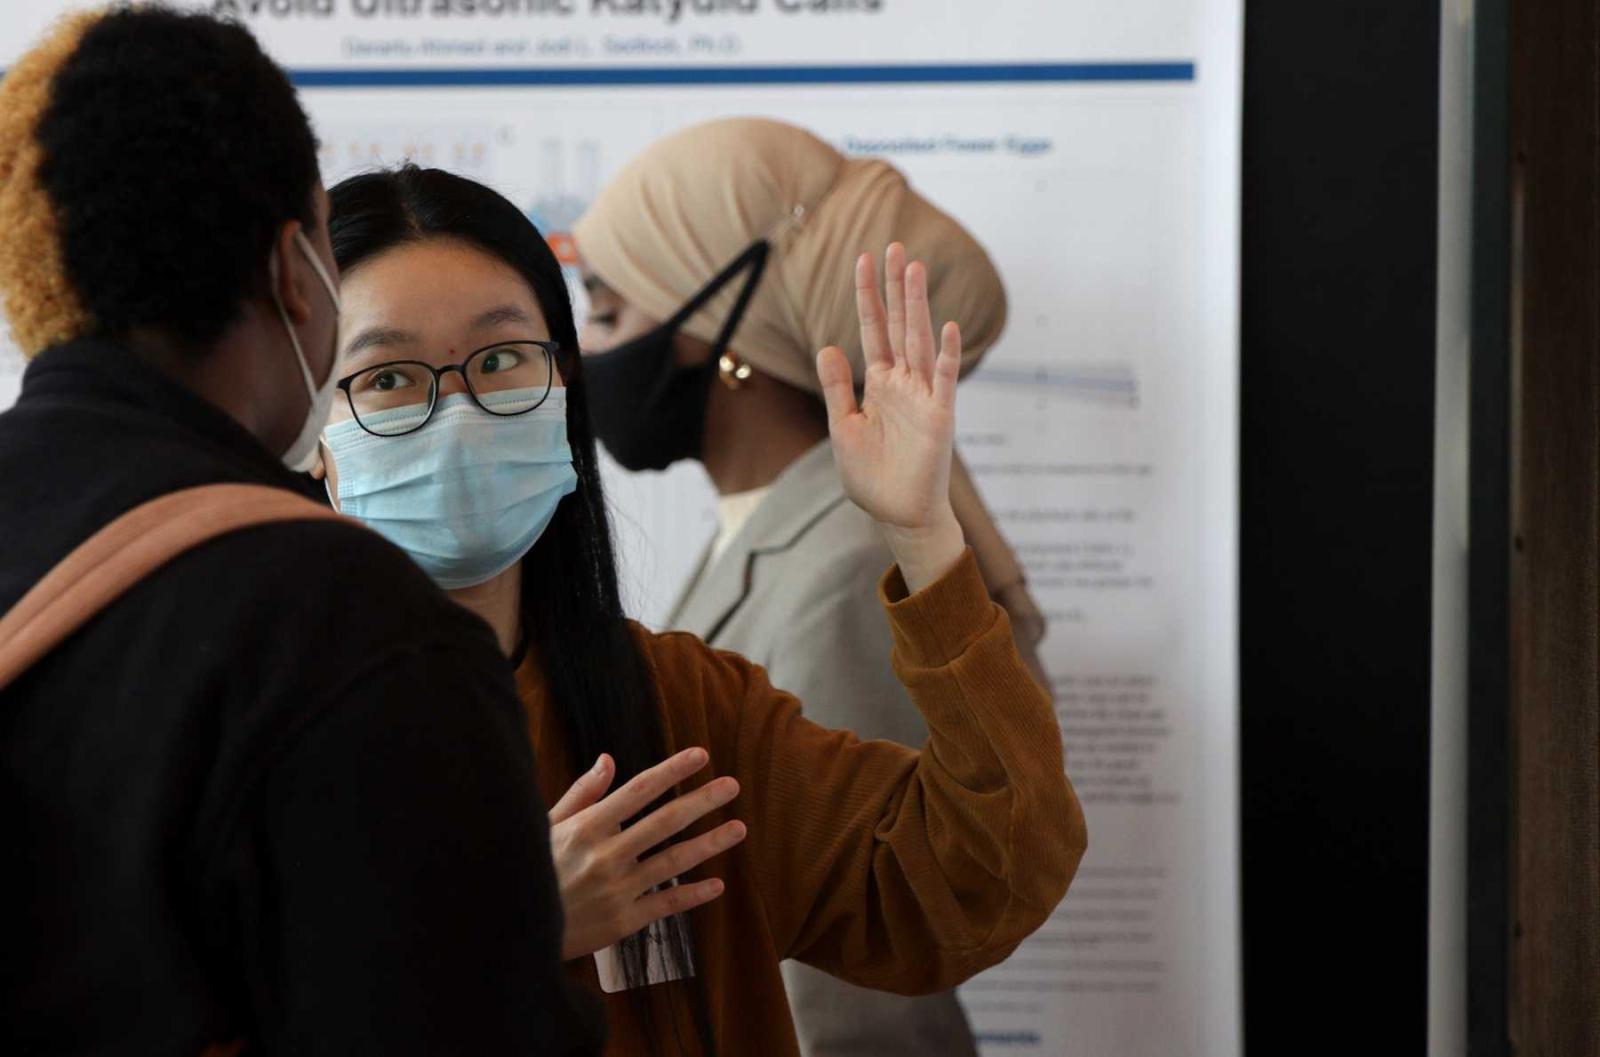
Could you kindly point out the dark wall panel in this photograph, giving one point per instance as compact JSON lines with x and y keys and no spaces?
{"x":1340,"y":185}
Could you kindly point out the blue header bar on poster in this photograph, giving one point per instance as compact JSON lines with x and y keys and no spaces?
{"x":690,"y":76}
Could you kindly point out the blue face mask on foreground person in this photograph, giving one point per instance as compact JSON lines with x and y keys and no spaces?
{"x":468,"y":494}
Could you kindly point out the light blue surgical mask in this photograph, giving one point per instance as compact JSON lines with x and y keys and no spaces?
{"x":468,"y":494}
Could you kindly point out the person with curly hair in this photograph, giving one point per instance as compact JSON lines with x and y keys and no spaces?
{"x":218,"y":826}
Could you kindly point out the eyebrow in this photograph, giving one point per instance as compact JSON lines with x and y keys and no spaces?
{"x":501,"y":314}
{"x":374,"y":337}
{"x":381,"y":337}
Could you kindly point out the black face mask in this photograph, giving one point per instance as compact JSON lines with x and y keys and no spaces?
{"x":648,"y":411}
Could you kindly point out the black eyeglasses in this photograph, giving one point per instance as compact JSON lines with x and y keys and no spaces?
{"x":507,"y":378}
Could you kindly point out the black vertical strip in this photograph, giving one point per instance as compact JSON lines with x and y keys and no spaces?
{"x":1340,"y":215}
{"x":1489,"y":564}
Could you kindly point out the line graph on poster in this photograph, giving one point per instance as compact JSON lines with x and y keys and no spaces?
{"x":1109,"y":385}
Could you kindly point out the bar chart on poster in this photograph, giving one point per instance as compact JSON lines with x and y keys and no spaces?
{"x":1092,"y":147}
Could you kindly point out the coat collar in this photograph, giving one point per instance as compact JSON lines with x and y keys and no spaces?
{"x":806,"y":491}
{"x":100,"y":374}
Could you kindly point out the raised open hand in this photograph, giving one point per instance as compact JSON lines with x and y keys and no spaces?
{"x":893,"y":448}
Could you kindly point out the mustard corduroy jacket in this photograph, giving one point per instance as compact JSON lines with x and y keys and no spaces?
{"x":895,"y":869}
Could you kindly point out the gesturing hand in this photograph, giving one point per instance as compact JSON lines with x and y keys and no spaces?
{"x":893,"y":450}
{"x":606,"y":890}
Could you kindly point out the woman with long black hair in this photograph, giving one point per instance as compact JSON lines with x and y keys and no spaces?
{"x":740,"y":833}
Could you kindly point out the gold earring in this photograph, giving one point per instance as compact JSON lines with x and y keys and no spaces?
{"x":733,"y":373}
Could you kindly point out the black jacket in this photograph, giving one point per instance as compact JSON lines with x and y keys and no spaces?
{"x":283,"y":788}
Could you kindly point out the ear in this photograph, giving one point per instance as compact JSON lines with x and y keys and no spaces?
{"x":292,"y":281}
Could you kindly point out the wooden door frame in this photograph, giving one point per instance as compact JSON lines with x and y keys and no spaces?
{"x":1553,"y":890}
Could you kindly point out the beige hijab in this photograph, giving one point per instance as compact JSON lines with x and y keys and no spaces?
{"x":688,"y":205}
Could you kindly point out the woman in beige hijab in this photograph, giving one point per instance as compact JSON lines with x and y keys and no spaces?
{"x":717,"y":263}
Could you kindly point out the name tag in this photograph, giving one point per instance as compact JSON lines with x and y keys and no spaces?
{"x":659,"y":967}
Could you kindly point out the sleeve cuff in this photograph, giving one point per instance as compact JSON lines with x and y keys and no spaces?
{"x":936,"y":625}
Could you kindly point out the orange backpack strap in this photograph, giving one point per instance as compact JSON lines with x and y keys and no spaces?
{"x":129,"y":549}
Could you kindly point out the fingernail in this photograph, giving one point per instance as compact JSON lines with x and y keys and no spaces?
{"x":599,"y":765}
{"x":698,"y":756}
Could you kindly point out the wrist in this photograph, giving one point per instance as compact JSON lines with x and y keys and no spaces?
{"x":925,"y":553}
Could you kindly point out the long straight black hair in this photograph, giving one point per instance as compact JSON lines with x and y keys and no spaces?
{"x":572,"y":614}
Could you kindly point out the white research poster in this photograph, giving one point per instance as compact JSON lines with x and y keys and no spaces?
{"x":1092,"y":145}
